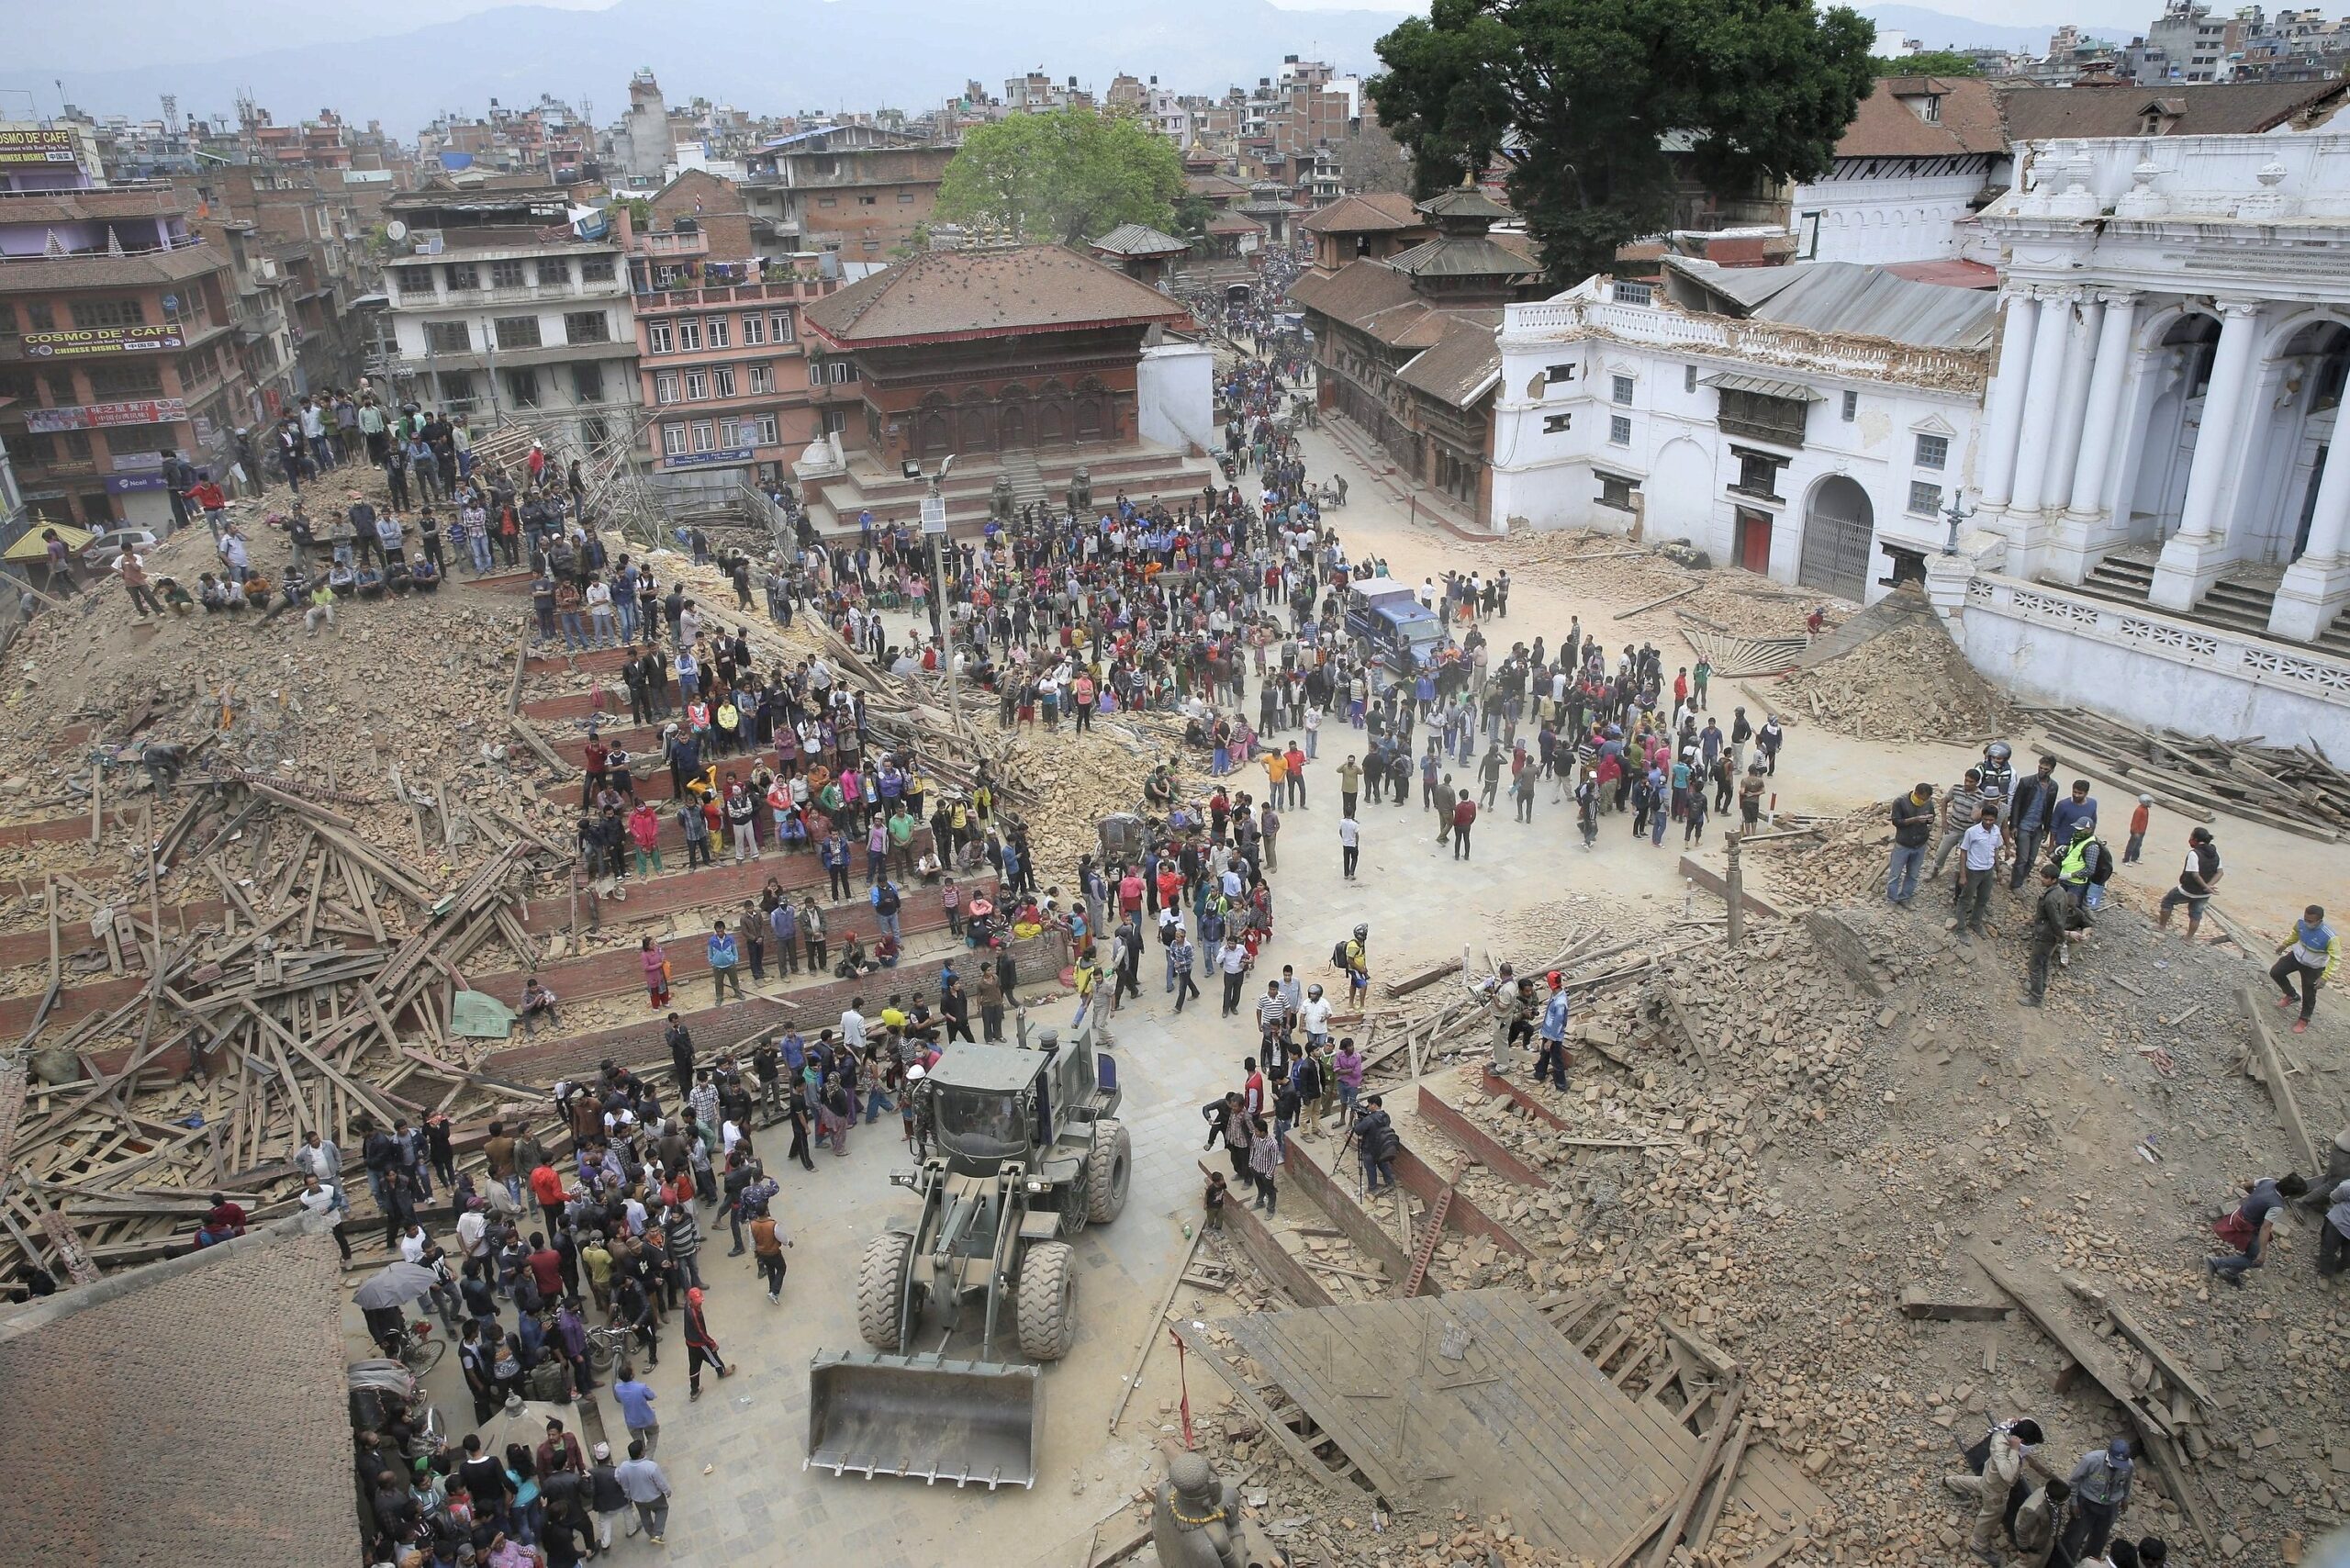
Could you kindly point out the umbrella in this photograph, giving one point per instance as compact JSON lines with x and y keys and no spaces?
{"x":397,"y":1285}
{"x":30,"y":546}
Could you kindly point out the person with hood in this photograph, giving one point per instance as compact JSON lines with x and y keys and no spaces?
{"x":1990,"y":1488}
{"x":699,"y":1346}
{"x":1376,"y":1144}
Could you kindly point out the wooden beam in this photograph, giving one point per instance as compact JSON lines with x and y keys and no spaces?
{"x":1687,"y":1504}
{"x":2280,"y":1088}
{"x":1152,"y":1330}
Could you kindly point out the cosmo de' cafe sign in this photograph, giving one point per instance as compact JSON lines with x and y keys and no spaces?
{"x":101,"y":340}
{"x":36,"y":147}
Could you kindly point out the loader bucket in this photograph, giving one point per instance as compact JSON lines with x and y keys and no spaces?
{"x":968,"y":1422}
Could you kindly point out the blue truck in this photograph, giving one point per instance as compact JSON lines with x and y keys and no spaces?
{"x":1385,"y":623}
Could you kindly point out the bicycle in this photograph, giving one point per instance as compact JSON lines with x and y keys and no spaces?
{"x":606,"y":1348}
{"x":417,"y":1347}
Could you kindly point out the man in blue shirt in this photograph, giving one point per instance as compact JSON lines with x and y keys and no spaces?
{"x":636,"y":1409}
{"x":724,"y":957}
{"x":2078,"y":807}
{"x":1553,"y":1033}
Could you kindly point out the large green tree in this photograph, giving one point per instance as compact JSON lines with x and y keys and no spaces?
{"x":1066,"y":176}
{"x":1604,"y":104}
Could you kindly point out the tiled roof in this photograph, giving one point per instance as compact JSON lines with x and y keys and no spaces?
{"x":187,"y":1412}
{"x":1465,"y":363}
{"x":1885,"y":126}
{"x":1466,"y":255}
{"x":1233,"y":223}
{"x":2224,"y":108}
{"x":966,"y":294}
{"x":1374,"y":212}
{"x":1138,"y":240}
{"x":1379,"y":302}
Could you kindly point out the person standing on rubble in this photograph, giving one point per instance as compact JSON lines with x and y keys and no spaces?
{"x":2198,"y":874}
{"x":1961,"y":809}
{"x":1913,"y":825}
{"x":2056,"y":921}
{"x":1990,"y":1488}
{"x":1978,"y":868}
{"x":2029,"y":817}
{"x":2101,"y":1488}
{"x":2308,"y":955}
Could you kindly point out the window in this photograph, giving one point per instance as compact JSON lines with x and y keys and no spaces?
{"x":456,"y":386}
{"x":1622,"y":390}
{"x":413,"y":280}
{"x":719,"y":328}
{"x":673,"y":440}
{"x":1761,"y":416}
{"x":721,"y":381}
{"x":127,"y":381}
{"x":1615,"y":490}
{"x":1925,"y":499}
{"x":1558,"y":374}
{"x":506,"y":274}
{"x":705,"y":436}
{"x":461,"y":276}
{"x":726,"y":434}
{"x":828,"y":201}
{"x":587,"y":382}
{"x":659,"y":339}
{"x":839,"y":370}
{"x":1619,"y":429}
{"x":668,"y":277}
{"x":1851,"y":406}
{"x":779,"y":326}
{"x":38,"y":316}
{"x":76,"y":444}
{"x":109,"y":313}
{"x":688,"y":335}
{"x":1633,"y":293}
{"x":762,"y":378}
{"x":1688,"y":378}
{"x":525,"y":387}
{"x":755,"y":329}
{"x":869,"y":246}
{"x":448,"y":337}
{"x":768,"y":435}
{"x":664,"y":387}
{"x":1758,"y":473}
{"x":866,"y":201}
{"x":586,"y":327}
{"x":1808,"y":237}
{"x":905,"y":199}
{"x":697,"y":385}
{"x":1933,"y":451}
{"x":1552,"y":424}
{"x":595,"y":269}
{"x":517,"y":331}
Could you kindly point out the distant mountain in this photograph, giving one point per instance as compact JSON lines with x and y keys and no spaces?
{"x":1940,"y":29}
{"x":772,"y":56}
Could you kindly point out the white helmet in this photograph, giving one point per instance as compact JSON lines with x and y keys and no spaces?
{"x":916,"y":1073}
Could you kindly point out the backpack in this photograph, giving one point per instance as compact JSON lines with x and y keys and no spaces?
{"x":1339,"y":959}
{"x":2101,"y":865}
{"x":549,"y":1382}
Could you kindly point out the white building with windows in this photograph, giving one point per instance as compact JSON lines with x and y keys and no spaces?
{"x":1909,"y":174}
{"x":507,"y":309}
{"x":1807,"y":422}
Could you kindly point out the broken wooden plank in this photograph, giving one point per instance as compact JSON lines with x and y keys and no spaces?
{"x":1688,"y":1502}
{"x":1925,"y":1301}
{"x":1658,"y":603}
{"x":2281,"y":1089}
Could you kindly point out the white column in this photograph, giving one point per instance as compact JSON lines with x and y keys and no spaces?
{"x":2316,"y":588}
{"x":2188,"y":561}
{"x":1998,"y":480}
{"x":2072,"y":401}
{"x":2098,"y":432}
{"x":2051,"y":340}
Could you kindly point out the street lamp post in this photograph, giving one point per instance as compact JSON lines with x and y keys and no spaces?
{"x":934,"y":531}
{"x":1957,"y":514}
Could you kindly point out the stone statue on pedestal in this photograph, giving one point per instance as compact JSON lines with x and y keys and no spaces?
{"x":999,"y":498}
{"x":1080,"y":490}
{"x":1196,"y":1522}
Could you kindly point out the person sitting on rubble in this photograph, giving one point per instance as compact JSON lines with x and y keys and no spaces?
{"x":538,"y":1003}
{"x":209,"y":590}
{"x":369,"y":582}
{"x":257,"y":591}
{"x":854,"y":960}
{"x":425,"y":574}
{"x":175,"y":596}
{"x":342,"y":580}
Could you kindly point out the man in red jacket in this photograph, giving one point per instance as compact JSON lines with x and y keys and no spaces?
{"x":1464,"y":813}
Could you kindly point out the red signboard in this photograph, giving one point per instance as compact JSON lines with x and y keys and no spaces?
{"x":37,"y":147}
{"x":102,"y":416}
{"x":101,"y":340}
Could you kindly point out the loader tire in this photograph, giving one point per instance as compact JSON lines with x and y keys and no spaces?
{"x":881,"y":1289}
{"x":1047,"y":1302}
{"x":1109,"y":1170}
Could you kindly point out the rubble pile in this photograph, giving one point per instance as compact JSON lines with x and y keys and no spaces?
{"x":1610,"y":566}
{"x":1911,"y":683}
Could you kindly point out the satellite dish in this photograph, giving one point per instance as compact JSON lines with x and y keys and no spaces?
{"x":395,"y":231}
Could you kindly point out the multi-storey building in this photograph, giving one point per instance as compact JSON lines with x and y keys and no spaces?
{"x":506,"y":307}
{"x":860,"y":190}
{"x":724,"y":369}
{"x":119,"y":323}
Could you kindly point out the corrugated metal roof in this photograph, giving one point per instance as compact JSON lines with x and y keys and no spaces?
{"x":1763,"y":386}
{"x":1138,"y":240}
{"x":1845,"y":297}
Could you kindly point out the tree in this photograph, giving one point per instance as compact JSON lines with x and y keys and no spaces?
{"x":1066,"y":176}
{"x":1371,"y":159}
{"x":1927,"y":62}
{"x":1586,"y":93}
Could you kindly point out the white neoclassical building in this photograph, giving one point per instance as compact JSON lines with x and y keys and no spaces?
{"x":2161,"y":424}
{"x":1807,"y":422}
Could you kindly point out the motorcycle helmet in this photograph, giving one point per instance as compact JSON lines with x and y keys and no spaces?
{"x":1362,"y":932}
{"x":1998,"y":751}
